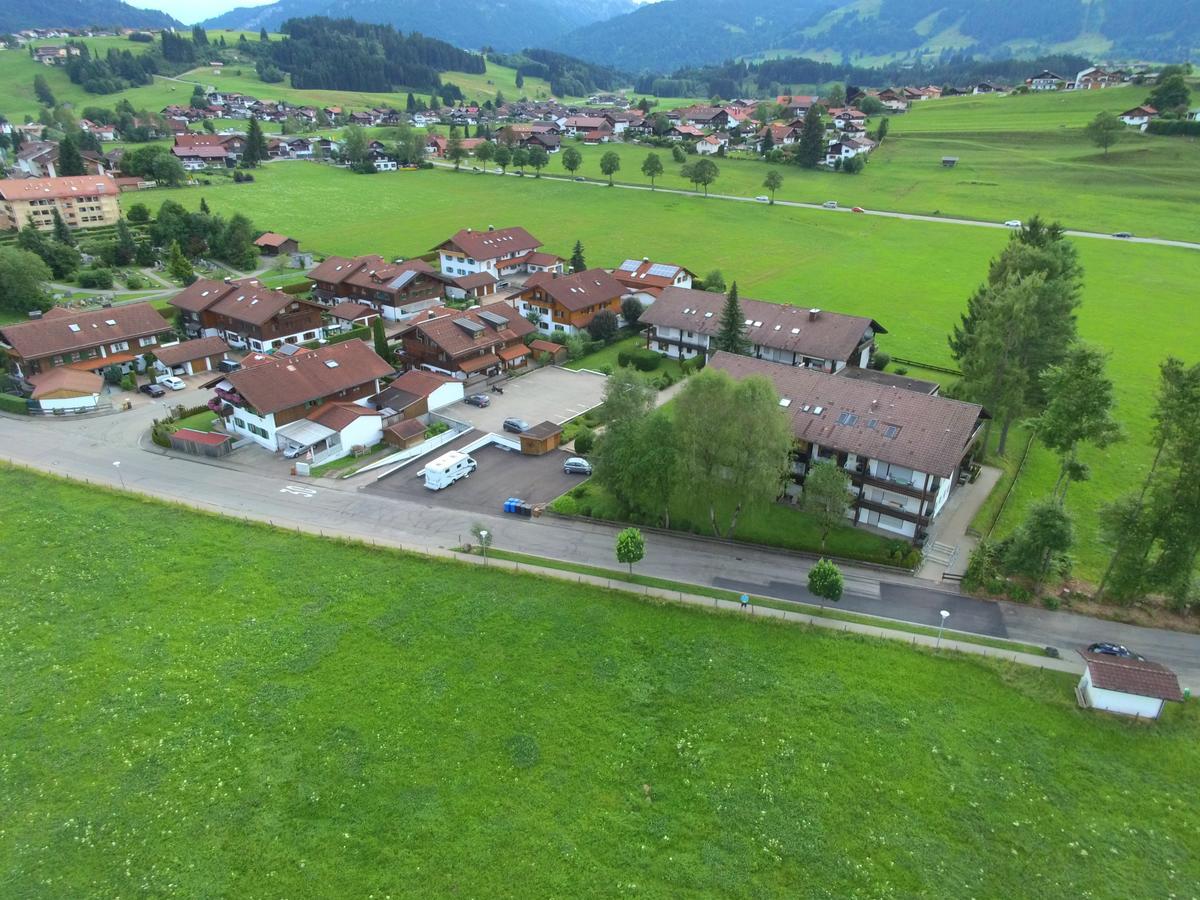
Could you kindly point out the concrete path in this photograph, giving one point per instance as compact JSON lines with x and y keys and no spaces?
{"x":87,"y":449}
{"x":950,"y":527}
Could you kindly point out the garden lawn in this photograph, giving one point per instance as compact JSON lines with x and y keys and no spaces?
{"x":606,"y":359}
{"x":913,"y":277}
{"x":188,"y":713}
{"x":201,"y":421}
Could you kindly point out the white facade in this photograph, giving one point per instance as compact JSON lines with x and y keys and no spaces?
{"x":81,"y":403}
{"x":239,"y":341}
{"x":260,"y":429}
{"x":1118,"y":701}
{"x":448,"y":393}
{"x":667,"y":340}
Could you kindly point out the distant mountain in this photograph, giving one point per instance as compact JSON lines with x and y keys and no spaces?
{"x":18,"y":14}
{"x":676,"y":33}
{"x":502,"y":24}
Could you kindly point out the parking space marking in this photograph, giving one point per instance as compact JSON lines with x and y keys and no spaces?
{"x":299,"y":490}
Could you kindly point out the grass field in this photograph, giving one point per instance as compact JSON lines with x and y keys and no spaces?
{"x":184,"y":716}
{"x":914,"y":277}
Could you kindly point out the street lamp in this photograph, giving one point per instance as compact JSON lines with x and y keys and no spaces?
{"x":483,"y":544}
{"x":945,"y":615}
{"x":117,"y":466}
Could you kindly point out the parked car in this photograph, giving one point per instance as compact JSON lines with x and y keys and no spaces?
{"x":1013,"y":223}
{"x":763,"y":198}
{"x":480,"y":400}
{"x":1123,"y":234}
{"x":577,"y":466}
{"x":830,"y":204}
{"x":229,"y":365}
{"x":1110,"y":649}
{"x":580,"y":178}
{"x":174,"y":382}
{"x":857,"y":209}
{"x":153,"y":390}
{"x":516,"y":426}
{"x":293,"y":450}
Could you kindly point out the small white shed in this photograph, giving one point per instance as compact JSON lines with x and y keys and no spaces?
{"x":1128,"y":687}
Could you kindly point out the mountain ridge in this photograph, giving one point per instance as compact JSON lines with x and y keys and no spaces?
{"x":16,"y":15}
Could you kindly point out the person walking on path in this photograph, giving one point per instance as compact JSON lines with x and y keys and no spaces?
{"x":745,"y":600}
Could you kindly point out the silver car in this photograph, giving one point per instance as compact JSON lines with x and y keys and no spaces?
{"x":577,"y":466}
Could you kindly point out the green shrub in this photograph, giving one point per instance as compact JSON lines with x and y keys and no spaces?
{"x":901,"y":370}
{"x":135,"y":282}
{"x":13,"y":404}
{"x":605,"y":369}
{"x":127,"y":383}
{"x":1050,"y":602}
{"x":585,"y":439}
{"x":95,"y":279}
{"x":1017,"y":593}
{"x":879,"y":361}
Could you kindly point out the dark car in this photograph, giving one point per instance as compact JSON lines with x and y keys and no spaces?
{"x":1123,"y":234}
{"x":1109,"y":649}
{"x":153,"y":390}
{"x":480,"y":400}
{"x":516,"y":426}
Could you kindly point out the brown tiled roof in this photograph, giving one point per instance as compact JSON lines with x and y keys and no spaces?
{"x":64,"y":379}
{"x":57,"y":188}
{"x":406,"y":428}
{"x":474,"y":280}
{"x":250,"y":301}
{"x":339,"y":415}
{"x":200,"y":295}
{"x":349,"y":311}
{"x":456,"y":341}
{"x":478,"y":363}
{"x":289,"y":381}
{"x":542,"y":430}
{"x":419,"y":382}
{"x":271,"y":239}
{"x":189,"y":350}
{"x":578,"y":291}
{"x":932,"y":434}
{"x":1132,"y":676}
{"x":642,"y":274}
{"x":69,"y":331}
{"x":333,"y":269}
{"x":492,"y":244}
{"x":546,"y":346}
{"x":201,"y":151}
{"x":513,"y":352}
{"x":829,"y":335}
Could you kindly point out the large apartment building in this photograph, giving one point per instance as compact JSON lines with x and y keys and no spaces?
{"x":247,"y":314}
{"x":83,"y":201}
{"x":88,"y":341}
{"x":498,"y":252}
{"x":904,"y":448}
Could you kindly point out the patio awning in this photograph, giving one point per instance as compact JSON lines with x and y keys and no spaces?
{"x":479,"y":363}
{"x":304,"y":433}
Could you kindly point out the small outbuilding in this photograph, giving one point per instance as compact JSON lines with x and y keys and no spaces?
{"x":949,"y":162}
{"x":201,"y":443}
{"x":541,"y":439}
{"x":557,"y":353}
{"x":348,"y":314}
{"x":1126,"y":686}
{"x":67,"y":390}
{"x":405,"y":433}
{"x":192,"y":357}
{"x":272,"y":244}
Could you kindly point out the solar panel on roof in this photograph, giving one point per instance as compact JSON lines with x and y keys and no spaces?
{"x":663,"y":270}
{"x":630,"y":265}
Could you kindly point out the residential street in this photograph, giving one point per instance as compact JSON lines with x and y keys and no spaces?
{"x":248,"y":486}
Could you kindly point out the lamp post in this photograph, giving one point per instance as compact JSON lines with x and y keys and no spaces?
{"x":945,"y":615}
{"x":117,"y":466}
{"x":483,"y":544}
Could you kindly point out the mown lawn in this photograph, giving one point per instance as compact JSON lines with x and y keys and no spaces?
{"x":187,"y":714}
{"x":913,"y":277}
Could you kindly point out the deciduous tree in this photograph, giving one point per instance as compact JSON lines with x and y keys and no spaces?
{"x":572,"y":159}
{"x":825,"y":582}
{"x":22,"y":275}
{"x":826,"y":496}
{"x":773,"y":182}
{"x":701,"y":172}
{"x":1104,"y":130}
{"x":652,"y":167}
{"x":631,"y":547}
{"x":610,"y":164}
{"x":1045,"y":533}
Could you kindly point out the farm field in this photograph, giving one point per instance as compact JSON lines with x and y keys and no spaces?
{"x":914,"y":277}
{"x":218,"y":726}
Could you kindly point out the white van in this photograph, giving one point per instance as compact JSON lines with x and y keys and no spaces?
{"x":447,"y":469}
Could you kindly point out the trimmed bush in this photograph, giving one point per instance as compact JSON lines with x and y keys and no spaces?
{"x":641,"y":358}
{"x":585,"y":439}
{"x":879,"y":361}
{"x":95,"y":279}
{"x":13,"y":404}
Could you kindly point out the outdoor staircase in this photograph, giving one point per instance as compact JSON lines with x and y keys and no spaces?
{"x":941,"y":554}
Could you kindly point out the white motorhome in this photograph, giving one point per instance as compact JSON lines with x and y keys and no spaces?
{"x":447,"y":469}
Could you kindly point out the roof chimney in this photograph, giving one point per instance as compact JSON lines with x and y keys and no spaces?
{"x":228,"y":280}
{"x":813,"y":313}
{"x":468,"y":231}
{"x":491,"y":228}
{"x":645,"y":259}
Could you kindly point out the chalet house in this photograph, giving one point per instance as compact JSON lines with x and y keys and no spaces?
{"x":683,"y":323}
{"x":436,"y":144}
{"x":349,"y":315}
{"x":199,"y":151}
{"x":396,"y":290}
{"x":311,"y":403}
{"x":415,"y":394}
{"x":710,"y":145}
{"x":39,"y":159}
{"x":88,"y":341}
{"x":795,"y":105}
{"x":583,"y":126}
{"x":1046,"y":80}
{"x":470,"y":287}
{"x":987,"y":87}
{"x":1095,"y":78}
{"x":1139,"y":116}
{"x":781,"y":135}
{"x":846,"y":148}
{"x":713,"y":117}
{"x":645,"y":280}
{"x":684,"y":133}
{"x":904,"y":451}
{"x":247,"y":314}
{"x":845,"y":118}
{"x":102,"y":132}
{"x":499,"y":252}
{"x":465,"y":344}
{"x":567,"y":303}
{"x":191,"y":357}
{"x":551,"y":143}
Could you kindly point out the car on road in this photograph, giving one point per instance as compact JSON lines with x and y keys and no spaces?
{"x":577,"y":466}
{"x":515,"y":425}
{"x":174,"y":382}
{"x":857,"y":209}
{"x":1123,"y":234}
{"x":1013,"y":223}
{"x":830,"y":204}
{"x":763,"y":198}
{"x":579,"y":178}
{"x":152,"y":390}
{"x":480,"y":400}
{"x":1110,"y":649}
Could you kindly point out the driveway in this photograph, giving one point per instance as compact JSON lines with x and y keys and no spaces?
{"x":501,"y":474}
{"x":546,"y":394}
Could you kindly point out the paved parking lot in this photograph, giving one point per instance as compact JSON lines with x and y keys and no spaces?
{"x":547,"y":394}
{"x":501,"y":474}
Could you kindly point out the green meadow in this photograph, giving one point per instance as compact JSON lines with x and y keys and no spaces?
{"x":187,"y":714}
{"x":913,"y":277}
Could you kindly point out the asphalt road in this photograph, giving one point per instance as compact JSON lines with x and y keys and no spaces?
{"x":257,"y":487}
{"x":887,"y":214}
